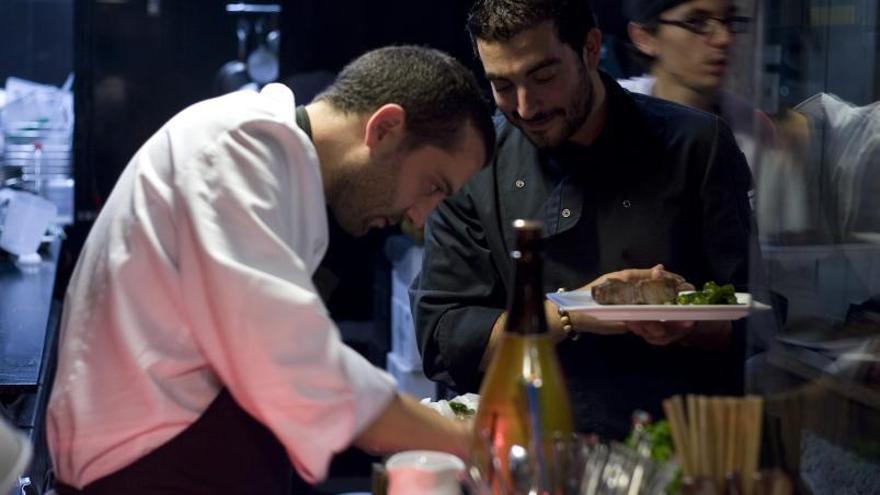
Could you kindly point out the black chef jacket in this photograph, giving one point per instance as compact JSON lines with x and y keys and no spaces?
{"x":663,"y":183}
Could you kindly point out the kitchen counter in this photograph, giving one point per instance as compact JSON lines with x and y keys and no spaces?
{"x":28,"y":323}
{"x":26,"y":311}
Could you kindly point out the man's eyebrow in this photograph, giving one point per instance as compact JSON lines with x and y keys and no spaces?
{"x":543,"y":64}
{"x":547,"y":62}
{"x":495,"y":77}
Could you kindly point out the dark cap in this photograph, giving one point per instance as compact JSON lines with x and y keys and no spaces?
{"x":647,"y":10}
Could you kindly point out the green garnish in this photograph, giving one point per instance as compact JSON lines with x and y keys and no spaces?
{"x":712,"y":293}
{"x":460,"y":409}
{"x":659,"y":437}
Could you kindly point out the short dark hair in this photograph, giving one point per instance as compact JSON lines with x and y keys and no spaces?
{"x":439,"y":95}
{"x":501,"y":20}
{"x":643,"y":11}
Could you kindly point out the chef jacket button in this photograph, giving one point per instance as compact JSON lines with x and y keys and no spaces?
{"x":566,"y":213}
{"x":520,"y":183}
{"x":627,"y":203}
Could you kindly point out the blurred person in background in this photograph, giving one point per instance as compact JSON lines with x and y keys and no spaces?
{"x":195,"y":355}
{"x":686,"y":47}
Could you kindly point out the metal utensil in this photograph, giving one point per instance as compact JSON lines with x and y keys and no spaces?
{"x":233,"y":75}
{"x":242,"y":29}
{"x":262,"y":63}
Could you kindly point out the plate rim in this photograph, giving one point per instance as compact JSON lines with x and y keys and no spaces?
{"x":658,"y":312}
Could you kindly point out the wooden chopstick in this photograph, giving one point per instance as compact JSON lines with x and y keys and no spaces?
{"x":678,"y":427}
{"x":718,"y":437}
{"x":693,"y":434}
{"x":731,"y":436}
{"x":753,"y":407}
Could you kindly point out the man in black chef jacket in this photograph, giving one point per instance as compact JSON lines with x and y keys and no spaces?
{"x":623,"y":183}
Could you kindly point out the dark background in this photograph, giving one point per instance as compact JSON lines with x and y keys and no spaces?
{"x":36,"y":40}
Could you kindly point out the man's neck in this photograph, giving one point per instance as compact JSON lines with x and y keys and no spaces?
{"x":337,"y":138}
{"x":667,"y":88}
{"x":597,"y":116}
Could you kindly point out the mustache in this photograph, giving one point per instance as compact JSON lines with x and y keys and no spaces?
{"x":538,"y":117}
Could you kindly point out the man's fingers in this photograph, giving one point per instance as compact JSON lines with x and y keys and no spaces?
{"x":661,"y":333}
{"x":657,"y":271}
{"x":650,"y":334}
{"x":682,"y":325}
{"x":635,"y":274}
{"x":592,"y":325}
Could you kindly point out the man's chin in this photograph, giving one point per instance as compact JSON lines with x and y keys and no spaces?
{"x":543,"y":139}
{"x":354,"y":229}
{"x":371,"y":224}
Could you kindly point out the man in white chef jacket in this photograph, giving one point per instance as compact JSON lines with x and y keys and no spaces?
{"x":195,"y":355}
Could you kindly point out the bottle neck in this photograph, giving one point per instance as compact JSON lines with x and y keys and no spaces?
{"x":525,"y":308}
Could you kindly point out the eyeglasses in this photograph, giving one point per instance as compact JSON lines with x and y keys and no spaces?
{"x":708,"y":25}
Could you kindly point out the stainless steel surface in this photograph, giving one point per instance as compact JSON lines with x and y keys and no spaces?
{"x":253,"y":8}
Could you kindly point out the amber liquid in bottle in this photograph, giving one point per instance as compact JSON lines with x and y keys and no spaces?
{"x":524,"y":409}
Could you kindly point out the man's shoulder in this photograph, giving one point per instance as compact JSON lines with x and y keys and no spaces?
{"x":514,"y":151}
{"x":232,"y":110}
{"x":675,"y":134}
{"x":506,"y":133}
{"x":259,"y":115}
{"x":673,"y":121}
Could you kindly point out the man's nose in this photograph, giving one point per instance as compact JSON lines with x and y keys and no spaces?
{"x":526,"y":106}
{"x":419,"y":212}
{"x":720,"y":35}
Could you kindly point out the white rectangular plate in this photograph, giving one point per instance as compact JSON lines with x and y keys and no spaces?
{"x":582,"y":302}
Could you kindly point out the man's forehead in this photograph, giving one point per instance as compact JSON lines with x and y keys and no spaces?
{"x":522,"y":53}
{"x":453,"y":166}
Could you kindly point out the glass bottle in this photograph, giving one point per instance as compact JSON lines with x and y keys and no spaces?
{"x":524,"y":416}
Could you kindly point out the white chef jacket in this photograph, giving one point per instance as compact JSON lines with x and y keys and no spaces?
{"x":197,"y":276}
{"x":845,"y":164}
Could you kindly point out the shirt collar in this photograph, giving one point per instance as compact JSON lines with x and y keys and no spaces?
{"x":303,"y":121}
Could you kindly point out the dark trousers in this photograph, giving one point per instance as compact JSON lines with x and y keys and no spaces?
{"x":225,"y":451}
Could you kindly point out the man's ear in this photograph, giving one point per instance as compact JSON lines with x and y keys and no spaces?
{"x":592,"y":48}
{"x":385,"y":125}
{"x":642,"y":39}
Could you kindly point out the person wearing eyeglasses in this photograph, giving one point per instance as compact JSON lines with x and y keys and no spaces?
{"x":686,"y":45}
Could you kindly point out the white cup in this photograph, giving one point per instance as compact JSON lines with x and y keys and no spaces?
{"x":27,"y":218}
{"x":424,"y":472}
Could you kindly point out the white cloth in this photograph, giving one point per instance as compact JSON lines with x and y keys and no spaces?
{"x":845,"y":157}
{"x":827,"y":191}
{"x":197,"y":275}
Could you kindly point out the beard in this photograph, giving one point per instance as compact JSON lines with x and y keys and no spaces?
{"x":363,"y":196}
{"x":572,"y":118}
